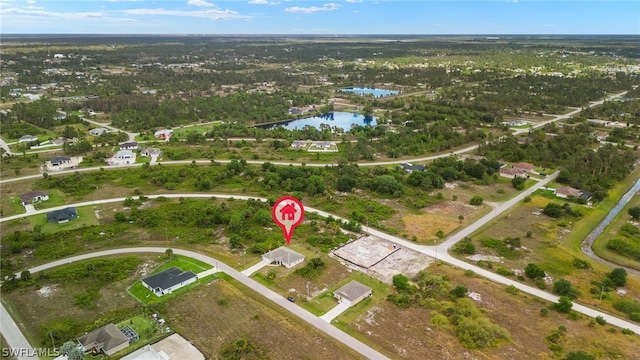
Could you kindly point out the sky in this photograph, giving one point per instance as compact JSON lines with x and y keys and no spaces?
{"x":420,"y":17}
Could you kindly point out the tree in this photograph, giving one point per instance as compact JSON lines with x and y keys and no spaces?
{"x":553,"y":210}
{"x":386,"y":184}
{"x":66,"y":348}
{"x":75,"y":354}
{"x":634,"y":212}
{"x":26,"y":275}
{"x":518,"y":182}
{"x":618,"y":276}
{"x":564,"y":304}
{"x":564,"y":287}
{"x":460,"y":217}
{"x":169,"y":253}
{"x":533,"y":271}
{"x":459,"y":291}
{"x":476,"y":200}
{"x":401,"y":283}
{"x":345,"y":183}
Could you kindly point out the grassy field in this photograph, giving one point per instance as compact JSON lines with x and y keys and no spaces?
{"x":86,"y":217}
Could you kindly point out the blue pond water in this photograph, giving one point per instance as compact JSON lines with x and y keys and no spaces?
{"x":339,"y":119}
{"x":370,"y":91}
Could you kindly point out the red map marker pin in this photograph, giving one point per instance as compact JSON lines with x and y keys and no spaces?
{"x":288,"y":213}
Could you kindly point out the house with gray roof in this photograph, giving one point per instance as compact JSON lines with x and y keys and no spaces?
{"x":62,"y":215}
{"x":107,"y":339}
{"x":352,"y":293}
{"x":283,"y":256}
{"x":169,"y":280}
{"x":33,"y":197}
{"x":27,"y":138}
{"x":98,"y":131}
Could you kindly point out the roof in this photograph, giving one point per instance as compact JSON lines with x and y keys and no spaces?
{"x":124,"y":153}
{"x":168,"y":278}
{"x":25,"y":137}
{"x":523,"y":166}
{"x":98,"y":131}
{"x":353,"y":290}
{"x":129,"y":144}
{"x":62,"y":214}
{"x":510,"y":171}
{"x":60,"y":159}
{"x":569,"y":191}
{"x":284,"y":254}
{"x":105,"y":338}
{"x":32,"y":194}
{"x":151,"y":151}
{"x":409,"y":166}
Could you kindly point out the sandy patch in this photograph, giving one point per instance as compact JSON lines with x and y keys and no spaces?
{"x":47,"y":291}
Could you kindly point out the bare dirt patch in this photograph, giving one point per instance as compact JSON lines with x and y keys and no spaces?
{"x":378,"y":258}
{"x":220,"y":313}
{"x":439,"y":217}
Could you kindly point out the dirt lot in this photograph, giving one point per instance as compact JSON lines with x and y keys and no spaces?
{"x":379,"y":259}
{"x":218,"y":314}
{"x":409,"y":334}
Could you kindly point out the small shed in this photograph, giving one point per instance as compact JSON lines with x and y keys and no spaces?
{"x":283,"y":256}
{"x":352,"y":293}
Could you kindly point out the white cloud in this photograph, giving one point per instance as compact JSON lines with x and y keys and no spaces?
{"x":312,"y":9}
{"x":354,"y":1}
{"x":200,"y":3}
{"x":213,"y":14}
{"x":53,"y":14}
{"x":264,"y":2}
{"x":356,"y":11}
{"x":31,"y":1}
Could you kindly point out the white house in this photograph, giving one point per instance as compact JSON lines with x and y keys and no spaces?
{"x":107,"y":339}
{"x":98,"y":131}
{"x":352,"y":293}
{"x":125,"y":156}
{"x":283,"y":256}
{"x":163,"y":134}
{"x":33,"y":197}
{"x":27,"y":138}
{"x":169,"y":280}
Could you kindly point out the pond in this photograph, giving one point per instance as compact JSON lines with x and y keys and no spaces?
{"x":370,"y":91}
{"x":338,"y":119}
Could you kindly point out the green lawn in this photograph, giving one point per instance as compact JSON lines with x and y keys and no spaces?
{"x":138,"y":291}
{"x":147,"y":329}
{"x":55,"y":199}
{"x":86,"y":217}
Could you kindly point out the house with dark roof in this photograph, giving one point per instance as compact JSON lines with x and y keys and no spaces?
{"x":107,"y":339}
{"x":352,"y":293}
{"x":60,"y":160}
{"x":409,"y":167}
{"x":62,"y":215}
{"x":169,"y":280}
{"x":129,"y":146}
{"x":33,"y":197}
{"x":283,"y":256}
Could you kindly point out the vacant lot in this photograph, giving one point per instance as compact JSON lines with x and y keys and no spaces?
{"x":220,"y":313}
{"x":409,"y":333}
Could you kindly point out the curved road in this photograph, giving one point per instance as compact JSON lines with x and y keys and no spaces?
{"x":278,"y":299}
{"x":440,"y":251}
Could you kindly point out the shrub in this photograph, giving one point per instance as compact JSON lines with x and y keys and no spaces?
{"x":564,"y":304}
{"x":533,"y":271}
{"x":553,"y":210}
{"x":581,"y":264}
{"x":464,"y":247}
{"x":564,"y":287}
{"x":628,"y":307}
{"x":459,"y":291}
{"x":476,"y":200}
{"x":512,"y":290}
{"x":504,"y":272}
{"x":618,"y":276}
{"x":627,"y":331}
{"x":480,"y":333}
{"x":600,"y":320}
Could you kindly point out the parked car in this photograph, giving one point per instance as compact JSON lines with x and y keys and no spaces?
{"x":290,"y":298}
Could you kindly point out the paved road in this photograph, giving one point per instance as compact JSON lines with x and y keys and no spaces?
{"x":11,"y":332}
{"x":276,"y":298}
{"x":7,"y":150}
